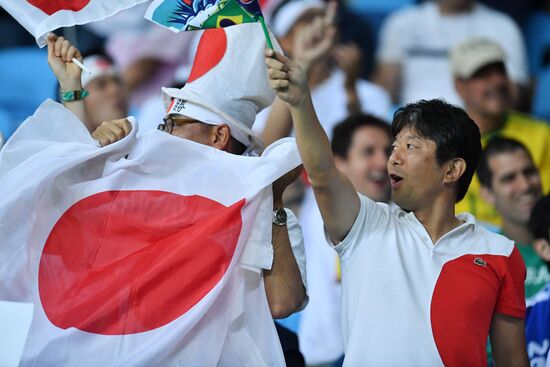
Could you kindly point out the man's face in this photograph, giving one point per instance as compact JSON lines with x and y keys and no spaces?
{"x":416,"y":179}
{"x":366,"y":162}
{"x":187,"y":128}
{"x":515,"y":185}
{"x":108,"y":100}
{"x":488,"y":91}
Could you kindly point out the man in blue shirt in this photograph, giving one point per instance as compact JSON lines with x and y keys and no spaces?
{"x":537,"y":321}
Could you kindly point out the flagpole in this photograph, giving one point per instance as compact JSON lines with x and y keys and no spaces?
{"x":266,"y":32}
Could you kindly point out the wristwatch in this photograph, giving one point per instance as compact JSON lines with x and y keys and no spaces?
{"x":279,"y":217}
{"x":74,"y":95}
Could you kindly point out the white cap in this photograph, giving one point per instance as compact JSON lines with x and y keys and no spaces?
{"x":228,"y":83}
{"x":473,"y":54}
{"x":288,"y":14}
{"x":99,"y":66}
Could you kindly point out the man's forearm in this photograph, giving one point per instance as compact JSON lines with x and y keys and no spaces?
{"x":78,"y":108}
{"x":283,"y":283}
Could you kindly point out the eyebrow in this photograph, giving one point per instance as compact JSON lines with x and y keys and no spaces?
{"x":413,"y":137}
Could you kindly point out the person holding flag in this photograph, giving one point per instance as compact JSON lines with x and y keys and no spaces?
{"x":235,"y":325}
{"x":420,"y":286}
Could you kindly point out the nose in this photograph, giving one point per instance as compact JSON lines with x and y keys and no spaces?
{"x":524,"y":182}
{"x":395,"y":158}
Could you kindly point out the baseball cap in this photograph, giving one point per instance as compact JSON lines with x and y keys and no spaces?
{"x":474,"y":53}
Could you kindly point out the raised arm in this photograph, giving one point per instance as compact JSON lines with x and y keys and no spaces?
{"x":336,"y":197}
{"x":60,"y":55}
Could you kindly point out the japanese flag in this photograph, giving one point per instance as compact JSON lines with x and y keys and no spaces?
{"x":147,"y":252}
{"x":42,"y":16}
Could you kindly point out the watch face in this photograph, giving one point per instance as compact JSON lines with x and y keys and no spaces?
{"x":279,"y":217}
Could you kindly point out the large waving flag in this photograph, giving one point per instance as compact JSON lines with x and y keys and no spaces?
{"x":147,"y":252}
{"x":42,"y":16}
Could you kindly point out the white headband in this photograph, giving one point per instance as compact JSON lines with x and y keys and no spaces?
{"x":288,"y":15}
{"x":189,"y":109}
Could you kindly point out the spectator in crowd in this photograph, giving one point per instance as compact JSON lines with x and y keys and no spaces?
{"x":511,"y":182}
{"x":481,"y":80}
{"x":537,"y":321}
{"x":333,"y":70}
{"x":419,"y":260}
{"x":108,"y":99}
{"x":284,"y":294}
{"x":360,"y":145}
{"x":413,"y":53}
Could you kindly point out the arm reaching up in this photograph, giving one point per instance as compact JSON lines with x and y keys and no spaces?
{"x":336,"y":197}
{"x":60,"y":55}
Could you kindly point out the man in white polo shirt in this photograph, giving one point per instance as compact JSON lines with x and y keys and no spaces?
{"x":420,"y":286}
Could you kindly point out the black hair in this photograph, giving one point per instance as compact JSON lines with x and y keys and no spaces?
{"x":455,"y":134}
{"x":539,"y":220}
{"x":496,"y":145}
{"x":342,"y":134}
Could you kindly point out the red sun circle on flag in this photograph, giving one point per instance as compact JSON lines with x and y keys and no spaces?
{"x":125,"y":262}
{"x":211,"y":50}
{"x":53,"y":6}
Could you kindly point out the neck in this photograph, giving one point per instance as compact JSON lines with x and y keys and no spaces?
{"x":486,"y":123}
{"x":439,"y":217}
{"x":518,"y":233}
{"x":451,"y":9}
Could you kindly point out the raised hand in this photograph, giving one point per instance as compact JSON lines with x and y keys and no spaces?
{"x":315,"y":41}
{"x":287,"y":78}
{"x":60,"y":55}
{"x":110,"y":132}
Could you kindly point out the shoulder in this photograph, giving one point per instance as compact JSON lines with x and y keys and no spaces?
{"x":407,"y":16}
{"x":518,"y":119}
{"x":486,"y":241}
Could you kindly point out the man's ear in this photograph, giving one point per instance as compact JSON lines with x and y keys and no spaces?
{"x":220,"y":136}
{"x":460,"y":87}
{"x":455,"y":169}
{"x":542,"y":248}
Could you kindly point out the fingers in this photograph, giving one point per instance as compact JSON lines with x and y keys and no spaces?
{"x":330,"y":14}
{"x":279,"y":84}
{"x":124,"y":125}
{"x":110,"y":132}
{"x":277,"y":74}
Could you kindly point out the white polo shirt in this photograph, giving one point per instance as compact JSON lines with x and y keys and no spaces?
{"x":408,"y":302}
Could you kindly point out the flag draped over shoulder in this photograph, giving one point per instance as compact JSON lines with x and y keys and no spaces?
{"x":42,"y":16}
{"x":147,"y":252}
{"x":188,"y":15}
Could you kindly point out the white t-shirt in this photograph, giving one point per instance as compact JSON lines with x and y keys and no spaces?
{"x":319,"y":330}
{"x":329,"y":101}
{"x":419,"y":38}
{"x":408,"y":302}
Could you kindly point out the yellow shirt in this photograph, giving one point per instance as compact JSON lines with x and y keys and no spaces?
{"x":535,"y":135}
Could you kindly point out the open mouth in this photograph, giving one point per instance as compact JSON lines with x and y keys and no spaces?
{"x":395,"y":179}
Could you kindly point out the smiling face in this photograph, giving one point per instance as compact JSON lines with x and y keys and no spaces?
{"x":515,"y":185}
{"x":365,"y":164}
{"x":488,"y":91}
{"x":416,"y":178}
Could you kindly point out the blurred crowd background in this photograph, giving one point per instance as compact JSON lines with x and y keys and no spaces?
{"x":490,"y":57}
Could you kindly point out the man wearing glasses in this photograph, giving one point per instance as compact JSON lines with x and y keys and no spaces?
{"x":188,"y":117}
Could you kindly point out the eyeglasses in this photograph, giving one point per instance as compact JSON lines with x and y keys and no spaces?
{"x":169,"y":123}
